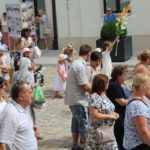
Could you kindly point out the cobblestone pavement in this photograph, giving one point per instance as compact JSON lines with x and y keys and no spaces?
{"x":54,"y":118}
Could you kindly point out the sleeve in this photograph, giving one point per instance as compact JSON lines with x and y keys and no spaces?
{"x":116,"y":92}
{"x":8,"y":128}
{"x":138,"y":108}
{"x":81,"y":76}
{"x":88,"y":71}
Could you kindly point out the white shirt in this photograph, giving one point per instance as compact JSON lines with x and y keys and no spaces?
{"x":16,"y":128}
{"x":77,"y":77}
{"x":2,"y":106}
{"x":106,"y":64}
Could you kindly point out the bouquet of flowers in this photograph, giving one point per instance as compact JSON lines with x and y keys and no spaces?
{"x":118,"y":27}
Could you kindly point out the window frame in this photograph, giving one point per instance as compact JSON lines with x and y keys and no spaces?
{"x":118,"y":6}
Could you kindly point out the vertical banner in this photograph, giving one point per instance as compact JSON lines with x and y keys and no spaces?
{"x":20,"y":16}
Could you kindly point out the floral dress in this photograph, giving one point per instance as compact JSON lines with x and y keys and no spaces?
{"x":103,"y":104}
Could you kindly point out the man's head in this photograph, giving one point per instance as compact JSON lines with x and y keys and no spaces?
{"x":109,"y":11}
{"x":22,"y":93}
{"x":40,"y":12}
{"x":85,"y":51}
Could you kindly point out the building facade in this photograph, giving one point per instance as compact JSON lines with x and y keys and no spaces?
{"x":80,"y":21}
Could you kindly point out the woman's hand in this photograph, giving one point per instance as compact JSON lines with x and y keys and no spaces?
{"x":114,"y":116}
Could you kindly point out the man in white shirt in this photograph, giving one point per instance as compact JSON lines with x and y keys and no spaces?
{"x":76,"y":98}
{"x":16,"y":127}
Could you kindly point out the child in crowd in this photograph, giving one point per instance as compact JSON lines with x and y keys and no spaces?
{"x":61,"y":76}
{"x":26,"y":68}
{"x":106,"y":60}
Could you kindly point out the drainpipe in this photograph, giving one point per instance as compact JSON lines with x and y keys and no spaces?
{"x":55,"y":40}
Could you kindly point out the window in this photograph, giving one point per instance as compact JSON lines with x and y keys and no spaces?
{"x":116,"y":5}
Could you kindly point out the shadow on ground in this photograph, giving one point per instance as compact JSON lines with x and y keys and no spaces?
{"x":64,"y":142}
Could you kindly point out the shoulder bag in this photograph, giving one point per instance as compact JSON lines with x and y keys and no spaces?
{"x":104,"y":134}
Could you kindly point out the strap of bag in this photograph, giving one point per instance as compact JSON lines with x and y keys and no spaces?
{"x":135,"y":100}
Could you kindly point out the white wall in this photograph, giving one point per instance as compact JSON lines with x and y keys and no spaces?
{"x":140,"y":24}
{"x":84,"y":18}
{"x":3,"y":2}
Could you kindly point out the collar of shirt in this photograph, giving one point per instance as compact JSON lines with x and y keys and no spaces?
{"x":19,"y":107}
{"x":82,"y":60}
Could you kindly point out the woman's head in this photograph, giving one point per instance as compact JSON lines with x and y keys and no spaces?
{"x":144,"y":56}
{"x":2,"y":87}
{"x":25,"y":32}
{"x":119,"y":73}
{"x":100,"y":84}
{"x":141,"y":82}
{"x":70,"y":48}
{"x":95,"y":58}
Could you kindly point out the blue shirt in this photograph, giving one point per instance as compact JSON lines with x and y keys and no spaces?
{"x":131,"y":136}
{"x":110,"y":18}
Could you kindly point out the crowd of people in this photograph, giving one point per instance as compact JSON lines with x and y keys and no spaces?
{"x":106,"y":114}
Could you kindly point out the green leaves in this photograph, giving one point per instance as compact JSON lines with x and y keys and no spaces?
{"x":112,"y":29}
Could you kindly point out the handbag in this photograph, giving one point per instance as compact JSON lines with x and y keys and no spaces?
{"x":38,"y":96}
{"x":47,"y":31}
{"x":104,"y":134}
{"x":37,"y":52}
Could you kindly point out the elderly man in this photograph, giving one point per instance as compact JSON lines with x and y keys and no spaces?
{"x":109,"y":15}
{"x":16,"y":127}
{"x":76,"y":98}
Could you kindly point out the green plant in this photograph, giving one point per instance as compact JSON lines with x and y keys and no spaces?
{"x":112,"y":29}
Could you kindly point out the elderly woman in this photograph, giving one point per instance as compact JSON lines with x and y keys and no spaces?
{"x":142,"y":66}
{"x":119,"y":95}
{"x":102,"y":114}
{"x":95,"y":65}
{"x":137,"y":118}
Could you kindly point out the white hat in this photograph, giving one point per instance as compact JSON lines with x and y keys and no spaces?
{"x":62,"y":56}
{"x":98,"y":50}
{"x":25,"y":50}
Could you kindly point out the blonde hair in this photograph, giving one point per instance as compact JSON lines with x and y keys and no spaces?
{"x":140,"y":79}
{"x":144,"y":55}
{"x":70,"y":45}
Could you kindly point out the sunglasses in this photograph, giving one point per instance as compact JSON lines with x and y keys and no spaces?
{"x":2,"y":85}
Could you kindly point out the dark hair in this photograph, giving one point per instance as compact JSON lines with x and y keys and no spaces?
{"x":118,"y":71}
{"x":0,"y":27}
{"x":1,"y":82}
{"x":17,"y":87}
{"x":96,"y":56}
{"x":99,"y":84}
{"x":84,"y":50}
{"x":105,"y":45}
{"x":4,"y":14}
{"x":24,"y":31}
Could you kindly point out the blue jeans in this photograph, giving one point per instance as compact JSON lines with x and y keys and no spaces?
{"x":79,"y":120}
